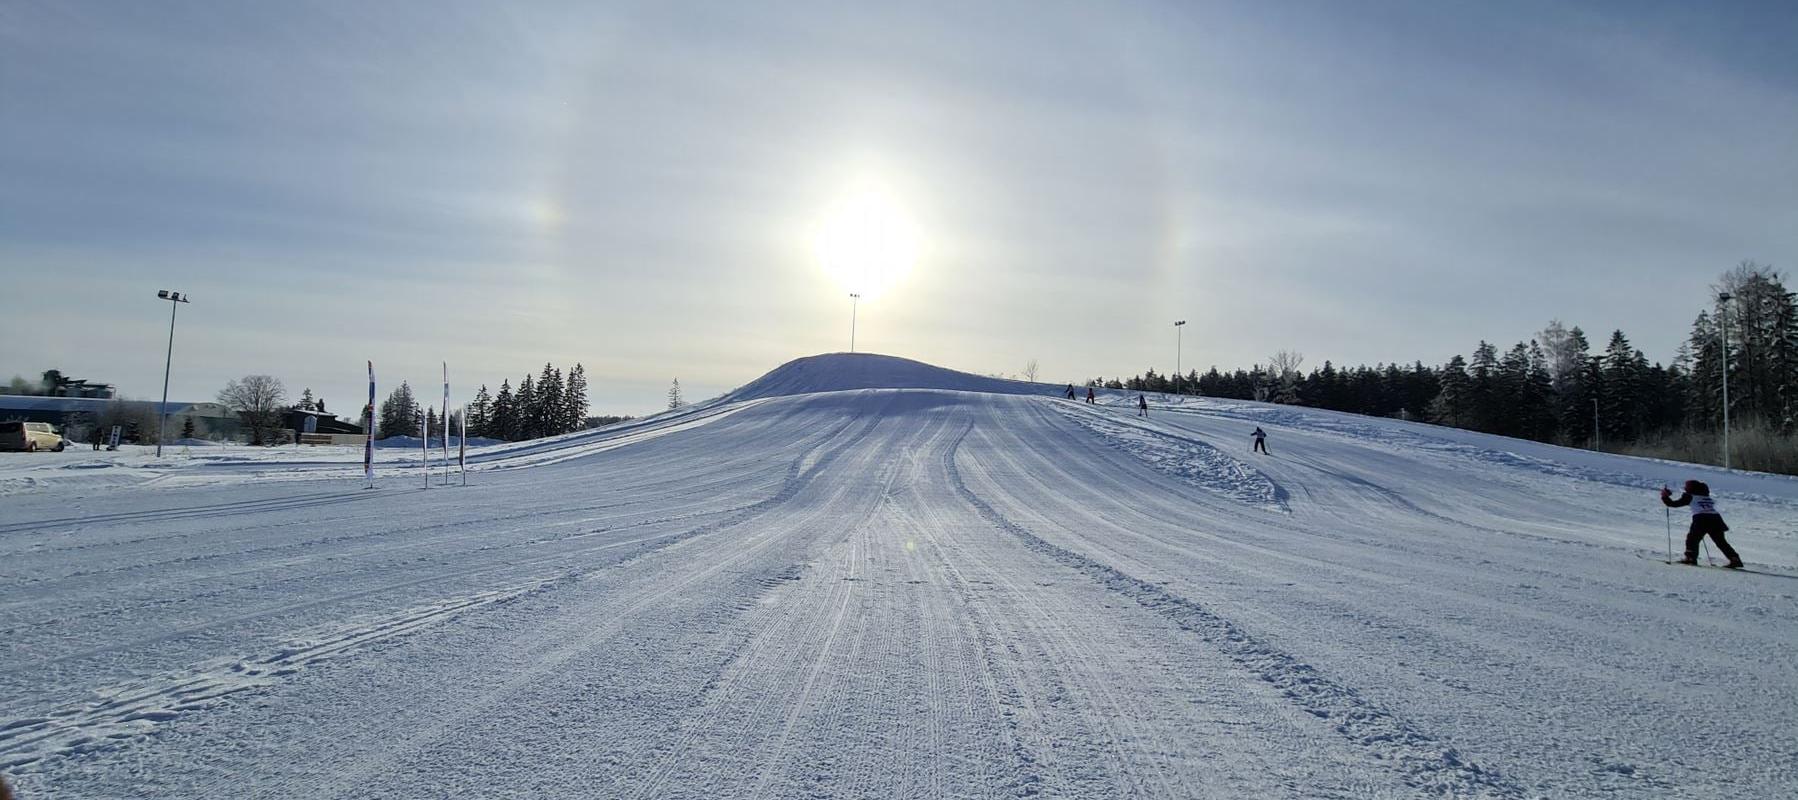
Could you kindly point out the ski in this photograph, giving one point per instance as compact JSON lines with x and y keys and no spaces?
{"x":1711,"y":566}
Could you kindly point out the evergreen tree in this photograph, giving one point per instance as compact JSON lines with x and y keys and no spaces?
{"x":502,"y":422}
{"x":1455,"y":396}
{"x":1620,"y":399}
{"x":674,"y":396}
{"x":399,"y":413}
{"x":187,"y":428}
{"x":1485,"y":397}
{"x":479,"y":411}
{"x":1784,"y":344}
{"x":574,"y":399}
{"x":432,"y":424}
{"x":1574,"y":392}
{"x":306,"y":402}
{"x":549,"y":401}
{"x":1537,"y":400}
{"x":529,"y":414}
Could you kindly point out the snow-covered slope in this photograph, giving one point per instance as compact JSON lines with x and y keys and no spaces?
{"x":837,"y":591}
{"x":839,"y":371}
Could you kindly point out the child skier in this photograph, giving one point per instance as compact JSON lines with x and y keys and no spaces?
{"x":1706,"y":521}
{"x":1089,"y":396}
{"x":1260,"y":441}
{"x":1142,"y":406}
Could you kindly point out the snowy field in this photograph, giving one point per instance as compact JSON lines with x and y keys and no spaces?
{"x":970,"y":589}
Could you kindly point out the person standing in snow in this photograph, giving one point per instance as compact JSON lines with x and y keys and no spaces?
{"x":1089,"y":396}
{"x":1070,"y":392}
{"x":1142,"y":406}
{"x":1260,"y":437}
{"x":1706,"y":521}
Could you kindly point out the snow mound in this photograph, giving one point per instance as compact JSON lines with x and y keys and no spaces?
{"x":835,"y":372}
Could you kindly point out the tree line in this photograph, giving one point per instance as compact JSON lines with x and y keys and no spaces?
{"x":1555,"y":388}
{"x":549,"y":403}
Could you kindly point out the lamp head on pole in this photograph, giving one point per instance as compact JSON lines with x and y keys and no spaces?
{"x":1723,"y":297}
{"x":173,"y":297}
{"x":1179,"y":323}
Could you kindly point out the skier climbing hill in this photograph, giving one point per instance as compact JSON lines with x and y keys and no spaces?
{"x":1706,"y":521}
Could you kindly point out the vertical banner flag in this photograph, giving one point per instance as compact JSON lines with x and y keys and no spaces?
{"x":446,"y":423}
{"x":424,"y":445}
{"x":462,"y":447}
{"x":368,"y":424}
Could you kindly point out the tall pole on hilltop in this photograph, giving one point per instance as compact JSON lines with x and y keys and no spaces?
{"x":1595,"y":442}
{"x":855,"y":299}
{"x":1179,"y":328}
{"x":162,"y":413}
{"x":1723,"y":316}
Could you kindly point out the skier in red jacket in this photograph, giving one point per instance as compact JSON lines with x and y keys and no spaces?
{"x":1706,"y":521}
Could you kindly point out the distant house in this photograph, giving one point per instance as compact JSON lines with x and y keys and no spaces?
{"x":82,"y":388}
{"x":318,"y":427}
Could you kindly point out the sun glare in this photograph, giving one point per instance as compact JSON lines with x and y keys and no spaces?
{"x":866,"y":241}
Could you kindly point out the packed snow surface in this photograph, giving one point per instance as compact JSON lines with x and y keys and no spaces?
{"x":971,"y":589}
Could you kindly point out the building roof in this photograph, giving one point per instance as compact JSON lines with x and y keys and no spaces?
{"x":95,"y":405}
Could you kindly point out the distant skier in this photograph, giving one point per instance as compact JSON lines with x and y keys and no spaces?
{"x":1260,"y":441}
{"x":1142,"y":406}
{"x":1089,"y":396}
{"x":1070,"y":391}
{"x":1706,"y":521}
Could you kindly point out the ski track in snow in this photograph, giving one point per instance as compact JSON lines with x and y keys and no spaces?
{"x":1428,"y":764}
{"x":1193,"y":461}
{"x":120,"y":713}
{"x":973,"y":590}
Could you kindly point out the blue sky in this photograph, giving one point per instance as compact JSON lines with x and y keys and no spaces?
{"x":637,"y":186}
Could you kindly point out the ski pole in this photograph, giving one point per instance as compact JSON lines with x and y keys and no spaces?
{"x":1669,"y":533}
{"x":1707,"y":554}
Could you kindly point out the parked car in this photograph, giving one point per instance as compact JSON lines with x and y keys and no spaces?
{"x":30,"y":436}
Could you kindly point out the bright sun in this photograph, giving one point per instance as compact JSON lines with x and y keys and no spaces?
{"x":866,"y":241}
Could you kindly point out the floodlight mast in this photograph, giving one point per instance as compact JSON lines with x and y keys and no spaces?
{"x":162,"y":422}
{"x":1179,"y":328}
{"x":855,"y":300}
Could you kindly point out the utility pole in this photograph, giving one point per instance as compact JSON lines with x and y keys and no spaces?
{"x":855,"y":299}
{"x":162,"y":414}
{"x":1179,"y":328}
{"x":1723,"y":317}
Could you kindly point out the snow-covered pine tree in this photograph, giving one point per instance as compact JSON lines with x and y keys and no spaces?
{"x":674,"y":396}
{"x":306,"y":402}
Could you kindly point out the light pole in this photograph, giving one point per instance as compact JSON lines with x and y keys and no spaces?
{"x":854,"y":300}
{"x":1723,"y":318}
{"x":162,"y":422}
{"x":1179,"y":328}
